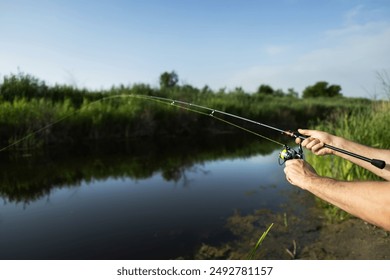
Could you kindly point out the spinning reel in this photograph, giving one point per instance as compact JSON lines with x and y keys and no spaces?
{"x":288,"y":153}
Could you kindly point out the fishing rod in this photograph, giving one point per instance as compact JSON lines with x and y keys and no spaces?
{"x":286,"y":154}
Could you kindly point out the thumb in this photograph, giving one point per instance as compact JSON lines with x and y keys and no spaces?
{"x":306,"y":132}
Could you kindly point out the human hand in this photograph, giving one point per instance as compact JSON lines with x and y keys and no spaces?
{"x":315,"y":141}
{"x":299,"y":173}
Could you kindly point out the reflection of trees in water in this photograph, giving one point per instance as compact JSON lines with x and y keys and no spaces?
{"x":30,"y":178}
{"x":180,"y":173}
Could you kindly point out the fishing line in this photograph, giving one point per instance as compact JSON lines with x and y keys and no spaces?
{"x":161,"y":100}
{"x":212,"y":114}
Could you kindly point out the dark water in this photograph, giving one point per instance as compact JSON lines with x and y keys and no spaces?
{"x":134,"y":200}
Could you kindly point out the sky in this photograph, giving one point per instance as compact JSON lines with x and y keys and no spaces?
{"x":218,"y":43}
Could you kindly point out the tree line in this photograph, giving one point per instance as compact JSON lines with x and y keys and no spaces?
{"x":319,"y":89}
{"x":23,"y":85}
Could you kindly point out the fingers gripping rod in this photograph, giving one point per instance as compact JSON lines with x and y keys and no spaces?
{"x":375,"y":162}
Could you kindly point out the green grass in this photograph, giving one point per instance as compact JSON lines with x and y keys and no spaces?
{"x":259,"y":242}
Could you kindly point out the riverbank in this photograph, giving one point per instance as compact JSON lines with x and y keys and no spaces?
{"x":49,"y":115}
{"x":308,"y":236}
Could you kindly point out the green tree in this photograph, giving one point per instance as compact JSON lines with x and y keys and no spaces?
{"x":279,"y":92}
{"x":265,"y":89}
{"x":168,"y":80}
{"x":322,"y":89}
{"x":22,"y":85}
{"x":206,"y":90}
{"x":292,"y":93}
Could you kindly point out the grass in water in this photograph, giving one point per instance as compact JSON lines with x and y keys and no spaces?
{"x":261,"y":239}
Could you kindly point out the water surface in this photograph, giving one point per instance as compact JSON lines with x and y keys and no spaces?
{"x":135,"y":201}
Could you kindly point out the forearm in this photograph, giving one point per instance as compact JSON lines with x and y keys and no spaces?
{"x":369,"y":201}
{"x":365,"y":151}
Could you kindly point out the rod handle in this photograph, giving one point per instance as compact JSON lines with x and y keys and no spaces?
{"x":298,"y":135}
{"x":375,"y":162}
{"x":378,"y":163}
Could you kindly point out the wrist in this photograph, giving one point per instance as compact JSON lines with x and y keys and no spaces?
{"x":317,"y":182}
{"x":336,"y":141}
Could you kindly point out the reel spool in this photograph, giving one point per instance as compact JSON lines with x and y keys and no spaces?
{"x":288,"y":153}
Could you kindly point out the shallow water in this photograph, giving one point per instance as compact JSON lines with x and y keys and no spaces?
{"x":130,"y":203}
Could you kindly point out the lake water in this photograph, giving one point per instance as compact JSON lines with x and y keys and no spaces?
{"x":137,"y":200}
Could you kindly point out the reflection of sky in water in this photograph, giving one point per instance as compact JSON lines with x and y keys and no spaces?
{"x":120,"y":215}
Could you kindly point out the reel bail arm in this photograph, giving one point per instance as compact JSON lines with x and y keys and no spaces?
{"x":288,"y":153}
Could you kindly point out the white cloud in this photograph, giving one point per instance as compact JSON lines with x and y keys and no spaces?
{"x":352,"y":15}
{"x":349,"y":56}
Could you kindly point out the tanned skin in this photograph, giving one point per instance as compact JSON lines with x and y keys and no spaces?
{"x":368,"y":200}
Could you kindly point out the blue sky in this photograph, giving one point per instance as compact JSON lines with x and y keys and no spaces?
{"x":219,"y":43}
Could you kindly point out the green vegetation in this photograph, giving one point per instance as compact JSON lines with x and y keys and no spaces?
{"x":28,"y":105}
{"x":169,"y":80}
{"x":252,"y":254}
{"x":322,"y":89}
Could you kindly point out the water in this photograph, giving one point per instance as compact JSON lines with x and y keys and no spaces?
{"x":132,"y":201}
